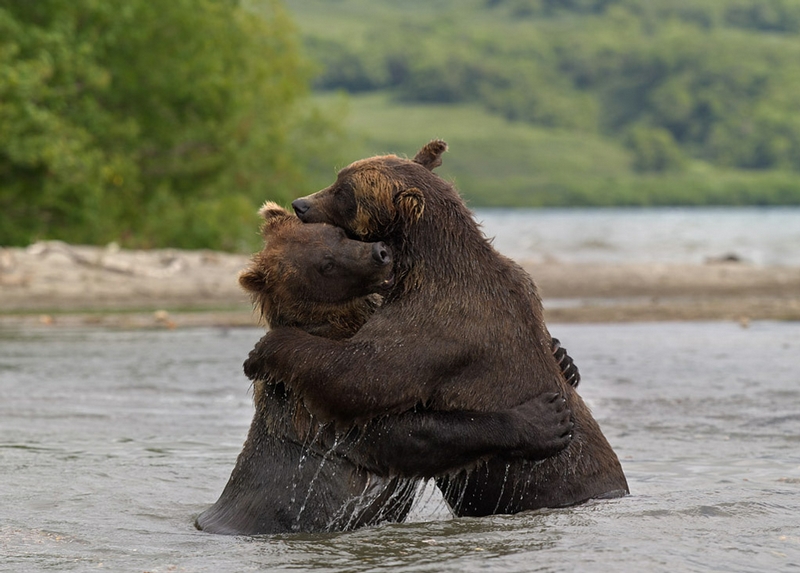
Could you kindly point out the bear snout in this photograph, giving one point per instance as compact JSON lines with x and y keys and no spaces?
{"x":301,"y":206}
{"x":381,"y":253}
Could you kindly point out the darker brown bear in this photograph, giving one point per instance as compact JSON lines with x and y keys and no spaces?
{"x":294,"y":474}
{"x":461,"y":329}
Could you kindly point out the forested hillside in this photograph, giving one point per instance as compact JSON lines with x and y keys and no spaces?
{"x":671,"y":101}
{"x":168,"y":123}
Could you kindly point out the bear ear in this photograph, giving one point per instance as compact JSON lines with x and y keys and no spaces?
{"x":271,"y":210}
{"x":430,"y":156}
{"x":273,"y":215}
{"x":410,"y":204}
{"x":252,"y":280}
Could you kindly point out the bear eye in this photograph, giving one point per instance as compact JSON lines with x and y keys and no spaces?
{"x":342,"y":187}
{"x":327,"y":267}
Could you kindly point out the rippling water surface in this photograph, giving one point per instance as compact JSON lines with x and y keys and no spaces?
{"x":111,"y":442}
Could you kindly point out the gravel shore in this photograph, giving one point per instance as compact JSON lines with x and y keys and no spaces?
{"x":56,"y":284}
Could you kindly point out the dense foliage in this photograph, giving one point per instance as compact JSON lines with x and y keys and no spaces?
{"x":150,"y":123}
{"x":168,"y":123}
{"x":681,"y":85}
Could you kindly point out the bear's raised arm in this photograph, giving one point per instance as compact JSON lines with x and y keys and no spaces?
{"x":426,"y":443}
{"x":353,"y":381}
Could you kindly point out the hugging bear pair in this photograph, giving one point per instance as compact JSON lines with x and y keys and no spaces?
{"x":402,"y":346}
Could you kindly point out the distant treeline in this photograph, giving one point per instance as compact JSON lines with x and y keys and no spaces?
{"x":675,"y":82}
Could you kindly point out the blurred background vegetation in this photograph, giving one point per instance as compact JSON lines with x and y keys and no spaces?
{"x":152,"y":123}
{"x":168,"y":123}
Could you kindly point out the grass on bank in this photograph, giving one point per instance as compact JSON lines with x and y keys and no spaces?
{"x":495,"y":162}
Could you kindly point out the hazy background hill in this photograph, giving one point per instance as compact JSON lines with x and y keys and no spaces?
{"x":167,"y":124}
{"x":574,"y":102}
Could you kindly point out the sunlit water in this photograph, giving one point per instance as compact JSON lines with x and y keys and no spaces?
{"x":757,"y":235}
{"x":111,"y":442}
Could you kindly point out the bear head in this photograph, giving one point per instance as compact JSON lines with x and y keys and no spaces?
{"x":377,"y":197}
{"x":314,"y":276}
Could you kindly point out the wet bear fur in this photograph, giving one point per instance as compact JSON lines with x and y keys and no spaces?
{"x":295,"y":474}
{"x":462,"y":329}
{"x":286,"y":479}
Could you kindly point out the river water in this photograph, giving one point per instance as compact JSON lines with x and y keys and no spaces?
{"x":756,"y":235}
{"x":111,"y":442}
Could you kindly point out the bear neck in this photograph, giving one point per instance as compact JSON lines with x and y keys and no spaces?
{"x":431,"y":250}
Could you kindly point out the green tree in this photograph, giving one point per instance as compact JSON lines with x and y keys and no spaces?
{"x":152,"y":123}
{"x":654,"y":149}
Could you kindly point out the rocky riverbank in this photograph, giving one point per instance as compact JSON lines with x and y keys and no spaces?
{"x":56,"y":284}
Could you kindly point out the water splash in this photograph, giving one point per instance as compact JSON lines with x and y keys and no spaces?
{"x":314,"y":479}
{"x":503,"y":488}
{"x":308,"y":441}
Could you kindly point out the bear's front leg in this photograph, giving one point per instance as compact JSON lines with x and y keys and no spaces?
{"x":272,"y":356}
{"x":429,"y":443}
{"x":319,"y":370}
{"x":543,"y":426}
{"x":361,"y":378}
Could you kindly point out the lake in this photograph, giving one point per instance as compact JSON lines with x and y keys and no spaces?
{"x":111,"y":442}
{"x":756,"y":235}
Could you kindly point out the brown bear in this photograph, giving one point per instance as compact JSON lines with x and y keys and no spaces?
{"x":294,"y":474}
{"x":461,"y":329}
